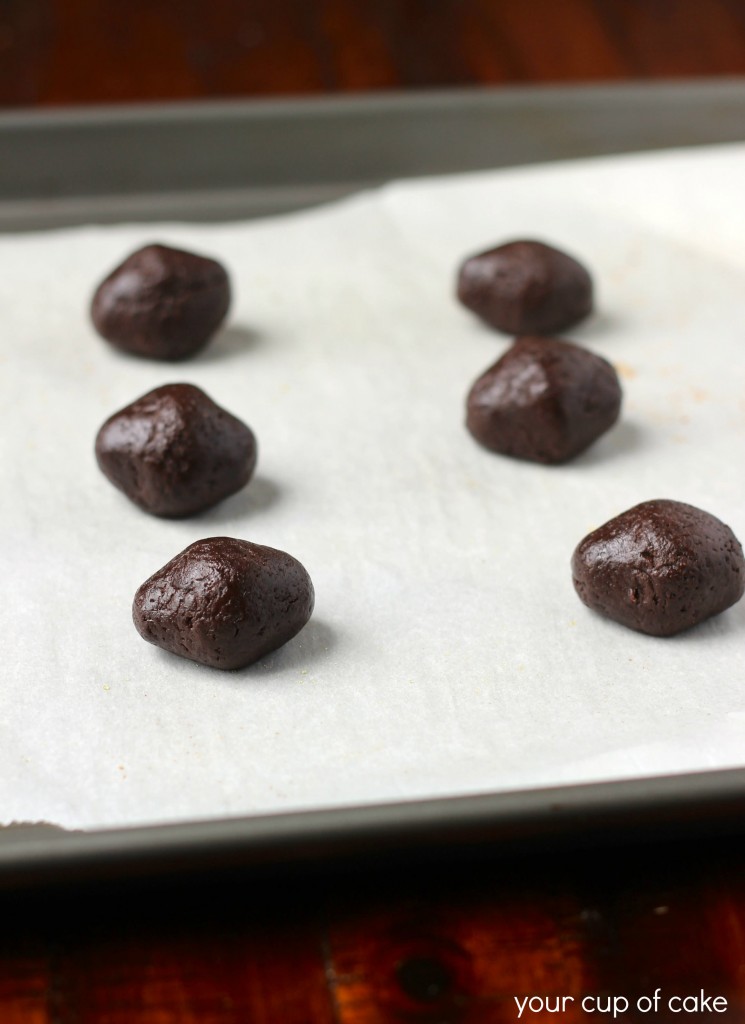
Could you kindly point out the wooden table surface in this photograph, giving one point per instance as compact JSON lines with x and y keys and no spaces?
{"x":453,"y":939}
{"x":457,"y":937}
{"x":83,"y":51}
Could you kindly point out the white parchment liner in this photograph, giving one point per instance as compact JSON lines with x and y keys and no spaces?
{"x":448,"y":653}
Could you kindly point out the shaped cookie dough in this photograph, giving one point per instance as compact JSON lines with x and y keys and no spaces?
{"x":174,"y":452}
{"x":224,"y":603}
{"x":660,"y":568}
{"x":162,"y":303}
{"x":545,"y":400}
{"x":526,"y":287}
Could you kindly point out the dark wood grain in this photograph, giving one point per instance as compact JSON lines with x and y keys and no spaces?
{"x":450,"y":941}
{"x":87,"y":51}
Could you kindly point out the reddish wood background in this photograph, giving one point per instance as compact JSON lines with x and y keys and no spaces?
{"x":82,"y":51}
{"x":452,"y":941}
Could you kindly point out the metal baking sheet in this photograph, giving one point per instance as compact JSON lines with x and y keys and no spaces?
{"x":219,"y":162}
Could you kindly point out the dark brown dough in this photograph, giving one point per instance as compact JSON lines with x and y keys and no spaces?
{"x":660,"y":568}
{"x":224,"y":602}
{"x":174,"y":452}
{"x":526,"y":287}
{"x":162,"y":303}
{"x":545,"y":400}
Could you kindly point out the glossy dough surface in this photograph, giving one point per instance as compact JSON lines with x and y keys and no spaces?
{"x":162,"y":303}
{"x":660,"y":568}
{"x":175,"y":452}
{"x":545,"y":400}
{"x":224,"y":602}
{"x":526,"y":287}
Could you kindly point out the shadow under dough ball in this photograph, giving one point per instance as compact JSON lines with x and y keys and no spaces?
{"x":224,"y":602}
{"x":545,"y":400}
{"x":162,"y":303}
{"x":660,"y":568}
{"x":175,"y":452}
{"x":526,"y":287}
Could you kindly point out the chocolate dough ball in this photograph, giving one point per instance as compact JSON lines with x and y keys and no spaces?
{"x":174,"y":452}
{"x":224,"y":602}
{"x":162,"y":303}
{"x":526,"y":288}
{"x":545,"y":400}
{"x":660,"y":568}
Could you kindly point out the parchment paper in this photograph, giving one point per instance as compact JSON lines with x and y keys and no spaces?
{"x":448,"y":652}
